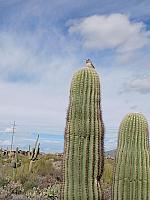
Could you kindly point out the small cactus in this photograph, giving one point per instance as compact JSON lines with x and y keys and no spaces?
{"x":34,"y":153}
{"x":132,"y":165}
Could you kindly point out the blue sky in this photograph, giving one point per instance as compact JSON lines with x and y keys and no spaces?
{"x":42,"y":43}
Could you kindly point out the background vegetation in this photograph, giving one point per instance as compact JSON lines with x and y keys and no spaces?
{"x":44,"y":182}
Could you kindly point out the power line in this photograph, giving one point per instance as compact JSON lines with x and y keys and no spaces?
{"x":13,"y":131}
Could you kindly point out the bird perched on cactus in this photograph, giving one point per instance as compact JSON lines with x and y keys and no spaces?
{"x":89,"y":64}
{"x":84,"y":132}
{"x":132,"y":164}
{"x":33,"y":155}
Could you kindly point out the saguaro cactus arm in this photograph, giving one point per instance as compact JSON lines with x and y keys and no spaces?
{"x":33,"y":155}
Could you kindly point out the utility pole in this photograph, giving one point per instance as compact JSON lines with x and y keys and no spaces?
{"x":12,"y":139}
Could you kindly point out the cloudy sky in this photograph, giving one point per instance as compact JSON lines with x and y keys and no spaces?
{"x":42,"y":43}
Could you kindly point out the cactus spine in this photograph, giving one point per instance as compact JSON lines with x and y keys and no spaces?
{"x":132,"y":170}
{"x":83,"y":149}
{"x":34,"y":153}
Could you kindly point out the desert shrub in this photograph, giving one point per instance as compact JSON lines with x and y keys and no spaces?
{"x":53,"y":192}
{"x":3,"y":182}
{"x":22,"y":173}
{"x":108,"y":169}
{"x":29,"y":185}
{"x":43,"y":167}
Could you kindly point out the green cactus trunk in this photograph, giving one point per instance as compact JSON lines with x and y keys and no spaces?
{"x":83,"y":149}
{"x":15,"y":163}
{"x":30,"y":166}
{"x":33,"y":155}
{"x":132,"y":170}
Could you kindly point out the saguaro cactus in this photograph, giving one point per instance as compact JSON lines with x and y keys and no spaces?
{"x":34,"y":153}
{"x":15,"y":163}
{"x":83,"y":148}
{"x":132,"y":169}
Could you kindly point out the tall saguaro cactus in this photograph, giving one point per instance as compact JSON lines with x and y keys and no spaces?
{"x":132,"y":170}
{"x":15,"y":163}
{"x":34,"y":153}
{"x":83,"y":149}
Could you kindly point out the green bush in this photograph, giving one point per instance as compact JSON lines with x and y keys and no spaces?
{"x":108,"y":169}
{"x":43,"y":167}
{"x":29,"y":185}
{"x":3,"y":182}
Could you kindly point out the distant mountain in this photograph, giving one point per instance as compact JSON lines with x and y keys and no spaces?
{"x":111,"y":153}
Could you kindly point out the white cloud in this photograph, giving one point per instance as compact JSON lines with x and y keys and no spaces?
{"x":32,"y":103}
{"x":111,"y":31}
{"x":137,"y":84}
{"x":5,"y":142}
{"x":23,"y":57}
{"x":27,"y":58}
{"x":8,"y":130}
